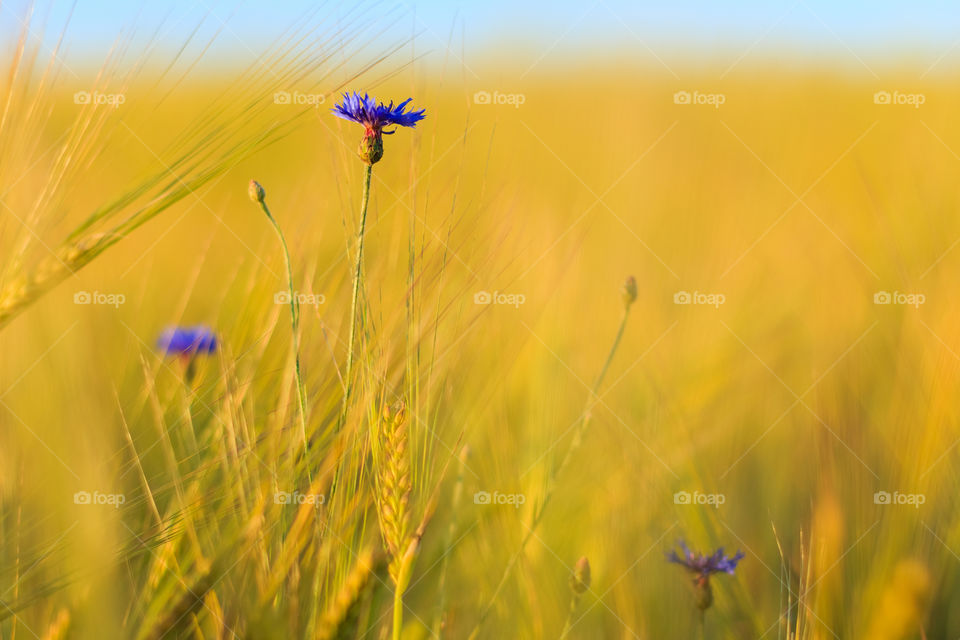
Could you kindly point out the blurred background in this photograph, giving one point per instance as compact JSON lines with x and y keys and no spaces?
{"x":779,"y":178}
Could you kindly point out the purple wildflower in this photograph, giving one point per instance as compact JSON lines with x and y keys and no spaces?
{"x":375,"y":116}
{"x":703,"y":564}
{"x":702,"y":567}
{"x":187,"y":341}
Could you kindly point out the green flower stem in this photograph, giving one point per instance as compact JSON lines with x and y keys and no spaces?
{"x":357,"y":272}
{"x":295,"y":323}
{"x":568,"y":625}
{"x":554,"y":474}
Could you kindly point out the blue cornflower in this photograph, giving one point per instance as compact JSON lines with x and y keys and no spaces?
{"x":375,"y":117}
{"x":702,"y":567}
{"x":187,"y":341}
{"x":702,"y":564}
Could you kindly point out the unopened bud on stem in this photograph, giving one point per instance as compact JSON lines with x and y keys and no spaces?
{"x":629,"y":291}
{"x":257,"y":193}
{"x":580,"y":580}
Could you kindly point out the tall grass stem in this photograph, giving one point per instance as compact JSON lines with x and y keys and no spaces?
{"x":554,"y":474}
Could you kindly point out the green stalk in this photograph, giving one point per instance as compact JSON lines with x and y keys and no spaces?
{"x":439,"y":621}
{"x":554,"y":474}
{"x":294,"y":321}
{"x":397,"y":613}
{"x":568,"y":625}
{"x":357,"y":271}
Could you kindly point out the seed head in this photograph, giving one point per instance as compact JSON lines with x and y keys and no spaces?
{"x":342,"y":614}
{"x":395,"y":414}
{"x":394,"y":486}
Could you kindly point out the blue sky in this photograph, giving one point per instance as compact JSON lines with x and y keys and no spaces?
{"x":922,"y":29}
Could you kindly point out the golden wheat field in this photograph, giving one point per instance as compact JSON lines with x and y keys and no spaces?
{"x":486,"y":430}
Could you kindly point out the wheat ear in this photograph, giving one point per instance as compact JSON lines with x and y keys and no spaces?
{"x":393,"y":504}
{"x":339,"y":621}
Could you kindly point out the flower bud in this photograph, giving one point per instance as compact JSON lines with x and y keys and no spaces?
{"x":580,"y":580}
{"x":256,"y":192}
{"x":371,"y":147}
{"x":629,"y":291}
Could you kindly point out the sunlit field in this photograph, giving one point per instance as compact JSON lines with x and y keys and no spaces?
{"x":783,"y":382}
